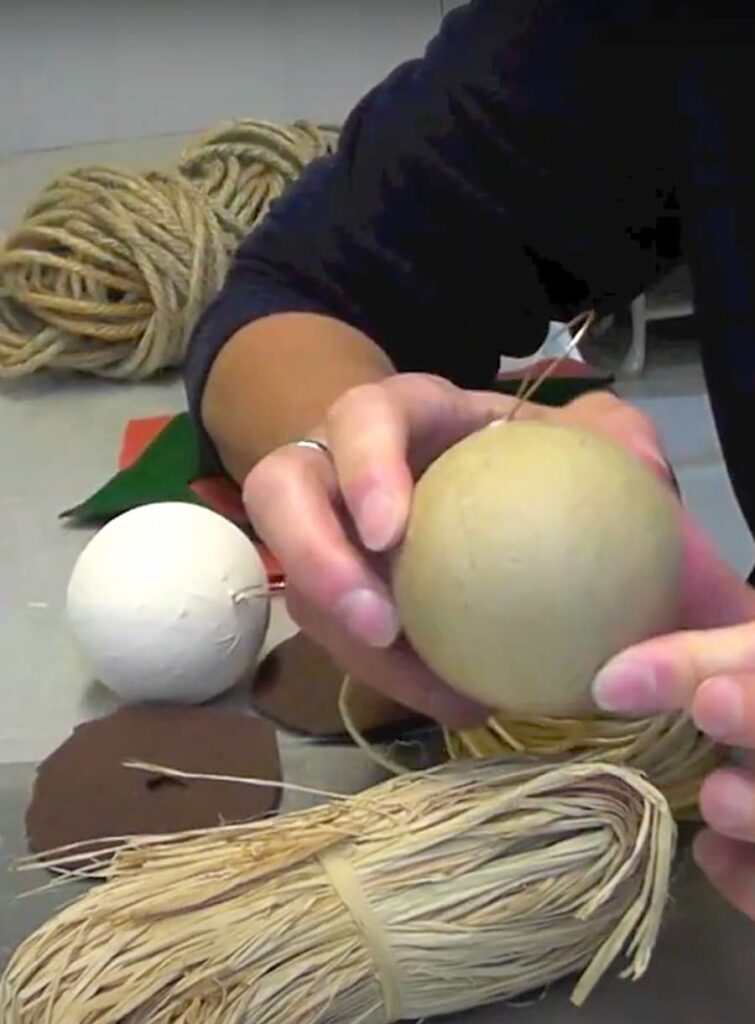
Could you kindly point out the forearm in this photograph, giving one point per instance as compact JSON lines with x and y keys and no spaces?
{"x":275,"y":379}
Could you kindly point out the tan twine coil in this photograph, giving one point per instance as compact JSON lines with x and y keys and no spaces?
{"x":110,"y":269}
{"x":431,"y":893}
{"x":669,"y":749}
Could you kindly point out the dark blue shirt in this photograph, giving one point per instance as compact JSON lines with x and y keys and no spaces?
{"x":539,"y":159}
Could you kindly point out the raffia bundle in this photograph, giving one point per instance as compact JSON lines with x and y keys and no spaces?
{"x":110,"y":268}
{"x":430,"y":893}
{"x":669,"y":749}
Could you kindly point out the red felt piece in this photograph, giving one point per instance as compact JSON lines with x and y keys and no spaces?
{"x":223,"y":496}
{"x":220,"y":494}
{"x":137,"y":437}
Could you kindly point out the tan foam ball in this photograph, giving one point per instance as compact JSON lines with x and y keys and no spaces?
{"x":534,"y":553}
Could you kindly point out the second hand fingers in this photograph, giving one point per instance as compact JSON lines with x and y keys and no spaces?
{"x":724,"y":708}
{"x":382,"y":434}
{"x":368,"y":437}
{"x":730,"y":866}
{"x":290,"y":503}
{"x":727,"y":802}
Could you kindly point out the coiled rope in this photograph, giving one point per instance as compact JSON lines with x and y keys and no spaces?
{"x":110,"y":269}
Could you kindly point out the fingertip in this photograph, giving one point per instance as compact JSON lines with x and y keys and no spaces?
{"x":369,"y":616}
{"x":729,"y":866}
{"x":380,"y":519}
{"x":627,"y":685}
{"x":718,"y":709}
{"x":727,"y":803}
{"x":712,"y":853}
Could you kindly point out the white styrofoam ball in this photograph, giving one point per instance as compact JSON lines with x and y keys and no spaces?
{"x":168,"y":603}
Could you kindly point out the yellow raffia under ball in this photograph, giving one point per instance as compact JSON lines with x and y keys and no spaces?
{"x":669,"y":749}
{"x":431,"y":893}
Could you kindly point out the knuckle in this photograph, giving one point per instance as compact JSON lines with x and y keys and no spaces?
{"x":418,"y":384}
{"x":607,"y":406}
{"x":353,"y":399}
{"x":604,"y":402}
{"x":389,"y":396}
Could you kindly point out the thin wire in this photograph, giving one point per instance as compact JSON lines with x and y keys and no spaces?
{"x":261,"y":590}
{"x":563,"y":329}
{"x":174,"y":773}
{"x":528,"y":386}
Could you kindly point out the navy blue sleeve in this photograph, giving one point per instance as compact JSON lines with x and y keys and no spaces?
{"x":714,"y":86}
{"x":477,"y":192}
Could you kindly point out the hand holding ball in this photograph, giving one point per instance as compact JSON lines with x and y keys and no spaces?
{"x":533,"y":554}
{"x":168,"y":602}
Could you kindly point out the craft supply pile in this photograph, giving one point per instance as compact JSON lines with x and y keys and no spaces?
{"x":427,"y":893}
{"x":540,"y":845}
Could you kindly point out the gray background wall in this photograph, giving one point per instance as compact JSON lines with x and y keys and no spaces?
{"x":80,"y":71}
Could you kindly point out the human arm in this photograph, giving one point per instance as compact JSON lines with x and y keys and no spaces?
{"x":462,"y":209}
{"x":286,"y":390}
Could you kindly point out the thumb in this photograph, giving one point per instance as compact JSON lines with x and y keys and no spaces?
{"x":663,"y":674}
{"x":718,"y":613}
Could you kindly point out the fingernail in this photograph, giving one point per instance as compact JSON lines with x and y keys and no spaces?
{"x":377,"y":519}
{"x":711,"y":853}
{"x":369,"y":617}
{"x":627,"y":687}
{"x":730,"y":806}
{"x":719,"y":709}
{"x":646,"y":450}
{"x":649,"y":453}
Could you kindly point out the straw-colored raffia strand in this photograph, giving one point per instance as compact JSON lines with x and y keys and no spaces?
{"x":110,"y":269}
{"x":669,"y":749}
{"x":431,"y":893}
{"x":384,"y":760}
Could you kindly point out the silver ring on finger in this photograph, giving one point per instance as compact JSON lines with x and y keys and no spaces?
{"x":314,"y":445}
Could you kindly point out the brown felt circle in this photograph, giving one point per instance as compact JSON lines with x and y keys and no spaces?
{"x":298,"y":684}
{"x":82,"y":792}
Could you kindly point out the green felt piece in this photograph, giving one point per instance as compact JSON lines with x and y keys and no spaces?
{"x":162,"y":473}
{"x":173,"y":461}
